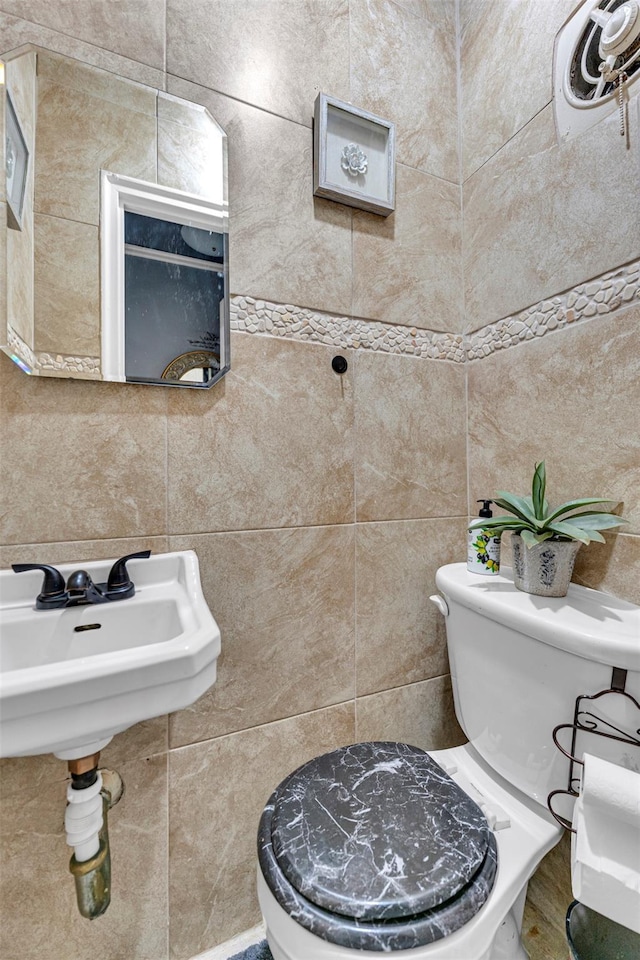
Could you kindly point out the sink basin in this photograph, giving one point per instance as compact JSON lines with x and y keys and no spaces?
{"x":72,"y":678}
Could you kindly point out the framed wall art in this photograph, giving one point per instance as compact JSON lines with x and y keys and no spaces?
{"x":354,"y":156}
{"x":17,"y":164}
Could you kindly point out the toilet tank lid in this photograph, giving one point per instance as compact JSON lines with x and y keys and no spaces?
{"x":586,"y":622}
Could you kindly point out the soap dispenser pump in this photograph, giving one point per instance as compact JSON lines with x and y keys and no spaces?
{"x":483,"y":548}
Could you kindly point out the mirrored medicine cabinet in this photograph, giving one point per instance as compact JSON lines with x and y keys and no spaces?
{"x":114,"y":227}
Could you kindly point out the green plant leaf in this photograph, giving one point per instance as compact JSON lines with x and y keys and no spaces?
{"x":545,"y":505}
{"x":547,"y":535}
{"x":537,"y":490}
{"x":595,"y":520}
{"x":496,"y":524}
{"x":575,"y":505}
{"x":569,"y":532}
{"x":515,"y":504}
{"x":594,"y":535}
{"x":534,"y":521}
{"x":530,"y":538}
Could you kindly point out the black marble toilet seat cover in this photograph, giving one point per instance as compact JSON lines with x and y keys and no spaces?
{"x":349,"y":853}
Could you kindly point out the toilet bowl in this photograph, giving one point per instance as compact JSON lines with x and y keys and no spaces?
{"x":383,"y":847}
{"x":521,"y":833}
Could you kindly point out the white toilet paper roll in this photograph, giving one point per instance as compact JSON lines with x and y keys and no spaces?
{"x":612,"y":789}
{"x":605,"y":849}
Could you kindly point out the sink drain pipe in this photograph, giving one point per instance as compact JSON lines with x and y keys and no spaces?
{"x":87,"y":832}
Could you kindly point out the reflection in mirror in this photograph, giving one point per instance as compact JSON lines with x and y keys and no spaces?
{"x":174,"y":285}
{"x":163,"y":265}
{"x":136,"y":293}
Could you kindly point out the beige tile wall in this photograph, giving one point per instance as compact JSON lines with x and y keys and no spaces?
{"x":415,"y":471}
{"x":582,"y":420}
{"x":65,"y":247}
{"x":28,"y":27}
{"x":3,"y":252}
{"x":538,"y":217}
{"x":530,"y":233}
{"x":320,"y":507}
{"x":210,"y":880}
{"x":417,"y":53}
{"x":190,"y":149}
{"x":130,"y":28}
{"x":506,"y":51}
{"x":408,"y":270}
{"x":282,"y":51}
{"x":292,"y":463}
{"x":284,"y":245}
{"x":284,"y":602}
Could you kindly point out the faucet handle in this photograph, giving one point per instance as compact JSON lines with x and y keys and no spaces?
{"x":119,"y":583}
{"x":53,"y":592}
{"x":78,"y":580}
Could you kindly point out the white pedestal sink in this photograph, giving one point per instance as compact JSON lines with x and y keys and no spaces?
{"x":72,"y":678}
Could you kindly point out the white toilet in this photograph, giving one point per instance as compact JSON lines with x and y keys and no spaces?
{"x":381,"y":847}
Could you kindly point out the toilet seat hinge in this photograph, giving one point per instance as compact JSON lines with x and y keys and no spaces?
{"x":497,"y":816}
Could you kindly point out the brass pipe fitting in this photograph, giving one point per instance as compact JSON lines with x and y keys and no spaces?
{"x":93,"y":877}
{"x":83,"y":764}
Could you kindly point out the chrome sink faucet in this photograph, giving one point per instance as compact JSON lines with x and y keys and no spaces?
{"x":80,"y":588}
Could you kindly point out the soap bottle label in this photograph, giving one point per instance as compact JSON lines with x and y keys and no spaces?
{"x":483,"y":553}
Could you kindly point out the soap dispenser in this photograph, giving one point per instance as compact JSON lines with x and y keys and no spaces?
{"x":483,"y":548}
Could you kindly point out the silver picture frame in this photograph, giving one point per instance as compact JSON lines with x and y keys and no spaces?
{"x":353,"y":156}
{"x":17,"y":165}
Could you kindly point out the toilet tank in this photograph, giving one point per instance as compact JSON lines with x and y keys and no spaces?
{"x":519,"y":662}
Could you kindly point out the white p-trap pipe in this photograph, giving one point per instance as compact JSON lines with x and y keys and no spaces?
{"x":83,"y":819}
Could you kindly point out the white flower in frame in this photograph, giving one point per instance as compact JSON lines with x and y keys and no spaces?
{"x":353,"y":161}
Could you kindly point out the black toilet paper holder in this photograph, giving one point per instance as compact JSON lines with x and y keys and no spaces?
{"x":586,"y":721}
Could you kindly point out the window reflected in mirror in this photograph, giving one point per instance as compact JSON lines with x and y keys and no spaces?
{"x":174,"y":295}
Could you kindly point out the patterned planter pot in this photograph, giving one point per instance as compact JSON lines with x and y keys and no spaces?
{"x":544,"y":570}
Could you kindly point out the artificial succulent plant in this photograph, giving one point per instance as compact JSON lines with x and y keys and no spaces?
{"x":535,"y":521}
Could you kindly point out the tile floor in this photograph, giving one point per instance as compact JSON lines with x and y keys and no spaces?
{"x":548,"y":899}
{"x":235,"y":945}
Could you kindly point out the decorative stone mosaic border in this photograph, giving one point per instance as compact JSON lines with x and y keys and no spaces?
{"x":20,"y":349}
{"x":298,"y":323}
{"x":43,"y":363}
{"x":598,"y":297}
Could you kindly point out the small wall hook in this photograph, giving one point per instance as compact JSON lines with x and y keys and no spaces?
{"x":339,"y":364}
